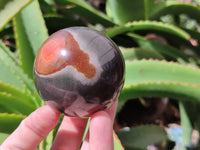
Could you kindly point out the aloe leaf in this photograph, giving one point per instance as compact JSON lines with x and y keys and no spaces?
{"x":15,"y":92}
{"x":9,"y":122}
{"x":12,"y":74}
{"x":160,"y":71}
{"x":117,"y":142}
{"x":11,"y":68}
{"x":148,"y":78}
{"x":134,"y":10}
{"x":30,"y":33}
{"x":21,"y":105}
{"x":173,"y":90}
{"x":186,"y":125}
{"x":9,"y":8}
{"x":188,"y":118}
{"x":8,"y":52}
{"x":147,"y":25}
{"x":142,"y":136}
{"x":47,"y":6}
{"x":196,"y":43}
{"x":7,"y":75}
{"x":108,"y":10}
{"x":194,"y":34}
{"x":5,"y":109}
{"x":33,"y":24}
{"x":148,"y":9}
{"x":122,"y":12}
{"x":169,"y":52}
{"x":85,"y":10}
{"x":178,"y":91}
{"x":179,"y":8}
{"x":3,"y":136}
{"x":140,"y":53}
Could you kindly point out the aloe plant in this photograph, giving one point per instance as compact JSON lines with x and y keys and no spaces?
{"x":160,"y":48}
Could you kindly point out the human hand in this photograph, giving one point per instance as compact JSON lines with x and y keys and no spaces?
{"x":38,"y":124}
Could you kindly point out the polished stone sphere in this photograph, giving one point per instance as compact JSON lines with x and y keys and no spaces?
{"x":79,"y":71}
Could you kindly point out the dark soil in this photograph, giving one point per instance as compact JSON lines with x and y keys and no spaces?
{"x":159,"y":111}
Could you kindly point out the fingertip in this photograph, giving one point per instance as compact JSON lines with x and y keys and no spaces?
{"x":101,"y":118}
{"x":57,"y":112}
{"x":109,"y":112}
{"x":100,"y":114}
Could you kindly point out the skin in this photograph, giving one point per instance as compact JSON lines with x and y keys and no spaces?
{"x":38,"y":124}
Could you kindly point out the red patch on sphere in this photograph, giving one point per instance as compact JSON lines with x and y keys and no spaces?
{"x":62,"y":50}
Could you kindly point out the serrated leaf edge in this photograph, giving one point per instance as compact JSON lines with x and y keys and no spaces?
{"x":166,"y":62}
{"x":162,"y":82}
{"x":13,"y":114}
{"x":15,"y":14}
{"x":131,"y":25}
{"x":20,"y":79}
{"x":18,"y":98}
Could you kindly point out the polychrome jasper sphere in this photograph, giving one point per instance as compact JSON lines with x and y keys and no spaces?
{"x":79,"y":71}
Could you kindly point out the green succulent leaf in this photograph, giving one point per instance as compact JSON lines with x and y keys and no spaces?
{"x":31,"y":23}
{"x":194,"y":34}
{"x":21,"y":105}
{"x":7,"y":109}
{"x":177,"y":8}
{"x":147,"y":25}
{"x":142,"y":136}
{"x":7,"y":75}
{"x":15,"y":92}
{"x":117,"y":142}
{"x":3,"y":136}
{"x":85,"y":10}
{"x":30,"y":33}
{"x":168,"y":51}
{"x":130,"y":54}
{"x":160,"y":71}
{"x":186,"y":124}
{"x":9,"y":8}
{"x":9,"y":122}
{"x":123,"y":12}
{"x":12,"y":74}
{"x":174,"y":90}
{"x":8,"y":53}
{"x":196,"y":42}
{"x":148,"y":78}
{"x":47,"y":6}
